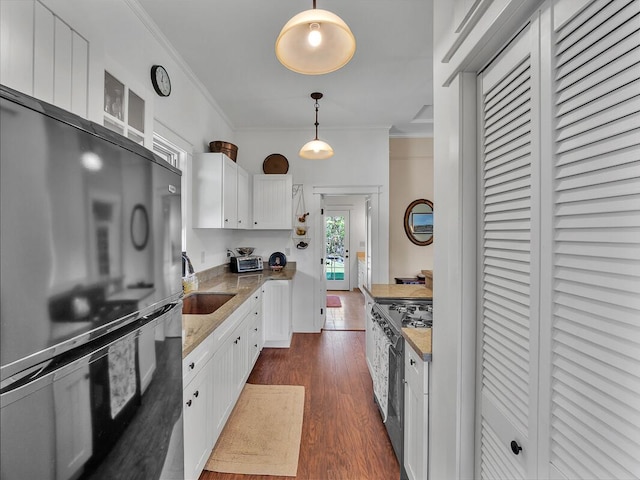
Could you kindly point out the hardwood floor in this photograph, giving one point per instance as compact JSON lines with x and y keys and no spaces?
{"x":343,"y":437}
{"x":348,"y":317}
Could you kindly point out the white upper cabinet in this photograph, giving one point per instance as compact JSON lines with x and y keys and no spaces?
{"x":244,"y":199}
{"x":272,"y":202}
{"x":42,"y":56}
{"x":220,"y":192}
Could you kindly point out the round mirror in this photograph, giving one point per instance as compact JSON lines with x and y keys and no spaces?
{"x":418,"y":222}
{"x":139,"y":227}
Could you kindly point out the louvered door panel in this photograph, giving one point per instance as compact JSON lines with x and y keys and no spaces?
{"x":506,"y":195}
{"x":595,"y":339}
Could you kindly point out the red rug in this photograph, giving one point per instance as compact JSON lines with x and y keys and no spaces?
{"x":333,"y":301}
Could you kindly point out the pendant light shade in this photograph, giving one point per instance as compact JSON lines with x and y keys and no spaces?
{"x":315,"y":42}
{"x":316,"y":149}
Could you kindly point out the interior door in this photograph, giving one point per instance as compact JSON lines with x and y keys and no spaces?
{"x":591,"y":400}
{"x":509,"y":259}
{"x":336,"y":228}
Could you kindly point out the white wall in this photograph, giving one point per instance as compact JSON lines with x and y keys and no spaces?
{"x":361,"y":158}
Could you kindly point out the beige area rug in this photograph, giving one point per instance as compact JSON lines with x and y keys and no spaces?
{"x":262,"y":436}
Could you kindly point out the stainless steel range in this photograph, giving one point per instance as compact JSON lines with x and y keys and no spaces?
{"x":407,"y":314}
{"x":389,"y":317}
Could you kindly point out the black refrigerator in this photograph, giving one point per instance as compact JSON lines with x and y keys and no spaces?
{"x":90,"y":307}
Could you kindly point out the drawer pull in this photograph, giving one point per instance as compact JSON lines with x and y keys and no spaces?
{"x":196,"y":393}
{"x":192,"y":365}
{"x":189,"y":402}
{"x":236,"y":340}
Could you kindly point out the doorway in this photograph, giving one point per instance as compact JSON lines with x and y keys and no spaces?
{"x":368,"y":251}
{"x":336,"y":232}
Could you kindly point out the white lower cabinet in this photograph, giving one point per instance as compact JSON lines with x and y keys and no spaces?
{"x":197,"y":438}
{"x":256,"y":336}
{"x":276,"y":312}
{"x":416,"y":415}
{"x":214,"y":375}
{"x":368,"y":337}
{"x":74,"y":439}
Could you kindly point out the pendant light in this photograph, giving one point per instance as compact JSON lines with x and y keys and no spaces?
{"x":316,"y":149}
{"x":315,"y":42}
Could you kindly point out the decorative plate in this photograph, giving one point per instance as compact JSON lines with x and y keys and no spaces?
{"x":275,"y":163}
{"x":277,"y":260}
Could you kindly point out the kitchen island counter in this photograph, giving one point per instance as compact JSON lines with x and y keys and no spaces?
{"x":420,"y":341}
{"x":198,"y":327}
{"x":379,"y":291}
{"x":418,"y":338}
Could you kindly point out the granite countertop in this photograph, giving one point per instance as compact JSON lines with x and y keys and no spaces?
{"x":418,"y":338}
{"x":420,"y":341}
{"x":242,"y":285}
{"x":379,"y":291}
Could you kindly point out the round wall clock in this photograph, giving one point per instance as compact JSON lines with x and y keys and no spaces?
{"x":160,"y":80}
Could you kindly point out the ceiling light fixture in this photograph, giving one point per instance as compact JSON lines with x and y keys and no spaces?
{"x":315,"y":42}
{"x":316,"y":149}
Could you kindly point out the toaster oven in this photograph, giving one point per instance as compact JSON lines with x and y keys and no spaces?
{"x":248,"y":263}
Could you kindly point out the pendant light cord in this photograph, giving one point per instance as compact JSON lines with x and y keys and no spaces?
{"x":316,"y":124}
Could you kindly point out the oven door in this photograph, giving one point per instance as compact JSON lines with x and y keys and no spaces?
{"x":395,"y":404}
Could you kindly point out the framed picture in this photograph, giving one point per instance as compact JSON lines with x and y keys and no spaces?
{"x":418,"y":222}
{"x":422,"y":223}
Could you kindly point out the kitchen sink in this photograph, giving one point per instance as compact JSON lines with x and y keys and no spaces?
{"x":204,"y":303}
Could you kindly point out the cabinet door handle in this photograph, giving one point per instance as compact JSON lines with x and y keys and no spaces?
{"x":192,"y":365}
{"x":189,"y":402}
{"x":255,"y":223}
{"x":255,"y":329}
{"x":515,"y":448}
{"x":196,"y":393}
{"x":236,"y":340}
{"x":256,"y":345}
{"x":412,"y":361}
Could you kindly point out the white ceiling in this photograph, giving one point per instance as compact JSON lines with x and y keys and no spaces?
{"x":229,"y":45}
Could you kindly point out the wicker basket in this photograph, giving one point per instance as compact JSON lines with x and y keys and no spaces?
{"x":229,"y":149}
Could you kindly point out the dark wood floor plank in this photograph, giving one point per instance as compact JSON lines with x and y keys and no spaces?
{"x":343,"y":437}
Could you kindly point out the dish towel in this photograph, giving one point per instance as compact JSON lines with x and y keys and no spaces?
{"x":122,"y":373}
{"x":381,"y":368}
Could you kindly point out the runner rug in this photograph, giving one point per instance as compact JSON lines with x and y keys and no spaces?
{"x":262,"y":435}
{"x":333,"y":301}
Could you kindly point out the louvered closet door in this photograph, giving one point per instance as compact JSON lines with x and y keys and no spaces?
{"x":509,"y":259}
{"x":594,"y":393}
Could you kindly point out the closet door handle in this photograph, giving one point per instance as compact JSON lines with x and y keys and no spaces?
{"x":515,"y":448}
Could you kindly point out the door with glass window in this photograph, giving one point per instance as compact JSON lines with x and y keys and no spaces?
{"x":336,"y":228}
